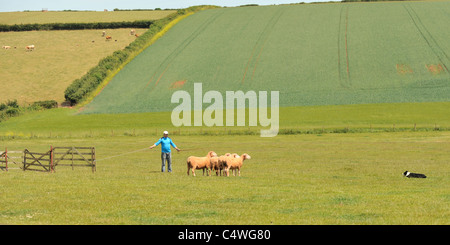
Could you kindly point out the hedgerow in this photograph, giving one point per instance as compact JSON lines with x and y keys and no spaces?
{"x":76,"y":26}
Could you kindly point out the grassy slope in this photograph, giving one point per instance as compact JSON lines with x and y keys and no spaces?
{"x":11,"y":18}
{"x":59,"y":58}
{"x":300,"y":50}
{"x":302,"y":179}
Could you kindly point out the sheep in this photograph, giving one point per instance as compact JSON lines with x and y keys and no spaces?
{"x":217,"y":163}
{"x":29,"y":48}
{"x":200,"y":163}
{"x":235,"y":162}
{"x":6,"y":47}
{"x":214,"y":161}
{"x":222,"y":162}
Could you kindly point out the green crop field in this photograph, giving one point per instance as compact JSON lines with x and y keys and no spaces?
{"x":324,"y":54}
{"x":32,"y":17}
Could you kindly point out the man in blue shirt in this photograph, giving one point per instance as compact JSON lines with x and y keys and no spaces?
{"x":165,"y":142}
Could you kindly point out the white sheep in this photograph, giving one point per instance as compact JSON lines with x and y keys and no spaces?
{"x":218,"y":163}
{"x":235,"y":162}
{"x":200,"y":163}
{"x":214,"y":161}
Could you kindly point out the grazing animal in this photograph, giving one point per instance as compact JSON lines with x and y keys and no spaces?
{"x":6,"y":47}
{"x":29,"y":48}
{"x":108,"y":38}
{"x":214,"y":161}
{"x":414,"y":175}
{"x":103,"y":33}
{"x":136,"y":35}
{"x":132,"y":32}
{"x":235,"y":162}
{"x":222,"y":163}
{"x":200,"y":163}
{"x":217,"y":163}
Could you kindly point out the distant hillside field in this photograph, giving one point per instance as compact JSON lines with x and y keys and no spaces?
{"x":59,"y":58}
{"x":11,"y":18}
{"x":314,"y":54}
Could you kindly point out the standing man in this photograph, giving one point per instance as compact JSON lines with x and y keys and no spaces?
{"x":165,"y":142}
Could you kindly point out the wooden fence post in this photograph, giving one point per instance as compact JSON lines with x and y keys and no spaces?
{"x":24,"y":159}
{"x":94,"y":168}
{"x":51,"y":159}
{"x":72,"y":156}
{"x":6,"y":158}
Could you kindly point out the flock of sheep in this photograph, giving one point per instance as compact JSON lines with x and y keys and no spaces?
{"x":216,"y":163}
{"x":31,"y":47}
{"x":27,"y":48}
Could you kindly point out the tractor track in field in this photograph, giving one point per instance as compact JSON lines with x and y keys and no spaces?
{"x":260,"y":43}
{"x":426,"y":35}
{"x":344,"y":77}
{"x":167,"y":62}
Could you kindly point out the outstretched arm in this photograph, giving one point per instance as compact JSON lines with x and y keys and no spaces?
{"x":174,"y":146}
{"x":154,"y":145}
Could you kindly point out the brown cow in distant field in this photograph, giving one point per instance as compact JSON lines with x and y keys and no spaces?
{"x":108,"y":38}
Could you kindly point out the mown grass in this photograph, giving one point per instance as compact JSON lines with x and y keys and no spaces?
{"x":291,"y":179}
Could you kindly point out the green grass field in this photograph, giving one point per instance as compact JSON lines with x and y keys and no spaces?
{"x":300,"y":179}
{"x":345,"y":137}
{"x":314,"y":54}
{"x":11,"y":18}
{"x":68,"y":123}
